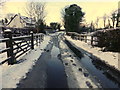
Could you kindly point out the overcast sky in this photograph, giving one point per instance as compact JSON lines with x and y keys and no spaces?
{"x":93,"y":8}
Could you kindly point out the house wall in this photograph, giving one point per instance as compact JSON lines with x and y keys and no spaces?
{"x":16,"y":23}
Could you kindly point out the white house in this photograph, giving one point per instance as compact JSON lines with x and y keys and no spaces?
{"x":19,"y":21}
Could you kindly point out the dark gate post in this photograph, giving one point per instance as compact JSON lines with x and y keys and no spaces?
{"x":10,"y":54}
{"x":85,"y":38}
{"x":32,"y":40}
{"x":39,"y":39}
{"x":92,"y":40}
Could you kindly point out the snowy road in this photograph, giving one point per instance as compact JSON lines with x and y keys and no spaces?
{"x":48,"y":71}
{"x":53,"y":70}
{"x":59,"y":67}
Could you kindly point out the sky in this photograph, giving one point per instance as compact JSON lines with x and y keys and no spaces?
{"x":92,"y":8}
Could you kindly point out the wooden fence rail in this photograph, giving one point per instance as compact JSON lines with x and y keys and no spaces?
{"x":83,"y":37}
{"x":17,"y":46}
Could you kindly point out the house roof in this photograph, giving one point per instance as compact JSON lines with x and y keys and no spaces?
{"x":12,"y":19}
{"x":25,"y":19}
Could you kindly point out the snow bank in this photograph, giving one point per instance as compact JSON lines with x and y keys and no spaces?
{"x":77,"y":76}
{"x":3,"y":56}
{"x":110,"y":58}
{"x":12,"y":74}
{"x":0,"y":78}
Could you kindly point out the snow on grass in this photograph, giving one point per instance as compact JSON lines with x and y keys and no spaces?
{"x":0,"y":78}
{"x":12,"y":74}
{"x":75,"y":71}
{"x":110,"y":58}
{"x":3,"y":56}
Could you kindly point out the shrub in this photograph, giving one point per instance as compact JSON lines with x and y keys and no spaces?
{"x":109,"y":39}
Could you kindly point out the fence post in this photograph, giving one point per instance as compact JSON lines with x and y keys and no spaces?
{"x":36,"y":37}
{"x":42,"y":37}
{"x":32,"y":40}
{"x":8,"y":34}
{"x":85,"y":38}
{"x":39,"y":39}
{"x":92,"y":40}
{"x":80,"y":37}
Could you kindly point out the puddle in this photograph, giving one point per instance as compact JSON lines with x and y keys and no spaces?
{"x":99,"y":73}
{"x":56,"y":77}
{"x":96,"y":70}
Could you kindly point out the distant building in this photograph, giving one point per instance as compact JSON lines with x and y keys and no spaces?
{"x":19,"y":21}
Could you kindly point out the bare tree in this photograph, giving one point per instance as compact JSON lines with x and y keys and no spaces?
{"x":113,"y":19}
{"x":63,"y":15}
{"x":118,"y":18}
{"x":29,"y":10}
{"x":92,"y":25}
{"x":10,"y":15}
{"x":104,"y":20}
{"x":40,"y":11}
{"x":36,"y":10}
{"x":2,"y":3}
{"x":40,"y":14}
{"x":97,"y":21}
{"x":109,"y":25}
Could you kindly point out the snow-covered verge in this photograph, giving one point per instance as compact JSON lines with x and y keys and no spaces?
{"x":110,"y":58}
{"x":12,"y":74}
{"x":77,"y":76}
{"x":3,"y":56}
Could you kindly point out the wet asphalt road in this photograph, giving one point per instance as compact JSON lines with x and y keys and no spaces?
{"x":48,"y":72}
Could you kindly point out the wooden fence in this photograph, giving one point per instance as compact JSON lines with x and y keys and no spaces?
{"x":17,"y":46}
{"x":83,"y":37}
